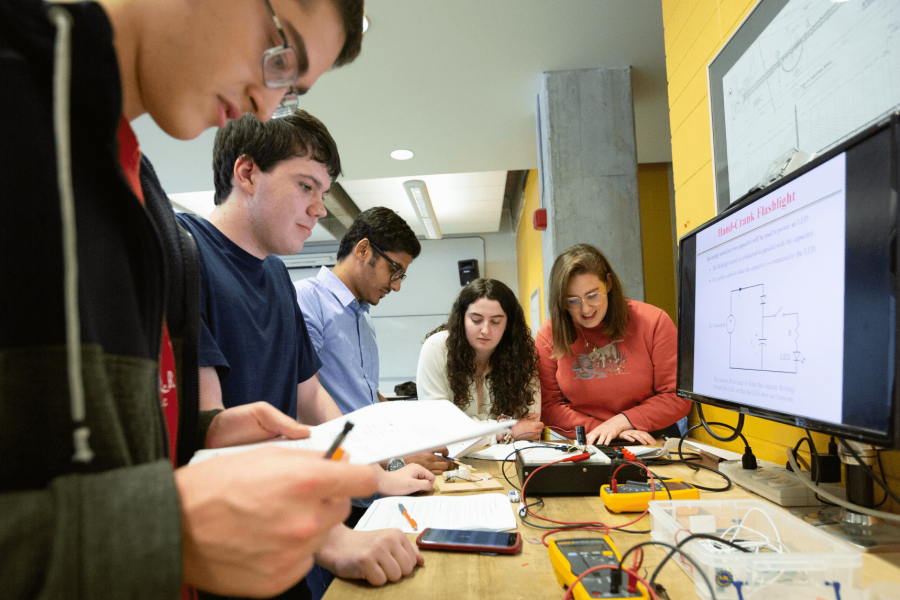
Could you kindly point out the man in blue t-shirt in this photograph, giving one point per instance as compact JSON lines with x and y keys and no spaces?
{"x":270,"y":179}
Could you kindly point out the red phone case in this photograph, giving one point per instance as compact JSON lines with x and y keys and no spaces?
{"x":469,"y":548}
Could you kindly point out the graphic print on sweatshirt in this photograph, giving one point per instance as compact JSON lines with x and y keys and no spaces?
{"x":600,"y":362}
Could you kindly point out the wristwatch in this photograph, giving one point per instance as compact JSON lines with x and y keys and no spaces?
{"x":395,"y":464}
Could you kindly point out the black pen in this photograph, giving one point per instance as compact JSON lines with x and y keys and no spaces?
{"x":335,"y":452}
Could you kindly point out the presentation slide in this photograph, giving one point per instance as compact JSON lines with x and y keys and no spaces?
{"x":770,"y":299}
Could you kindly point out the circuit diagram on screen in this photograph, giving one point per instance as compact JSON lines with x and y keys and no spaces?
{"x":762,"y":337}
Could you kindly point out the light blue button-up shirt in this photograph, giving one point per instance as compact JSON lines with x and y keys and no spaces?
{"x":342,"y":334}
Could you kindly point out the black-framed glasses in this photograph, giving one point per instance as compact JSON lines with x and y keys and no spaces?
{"x":281,"y":69}
{"x":397,"y":273}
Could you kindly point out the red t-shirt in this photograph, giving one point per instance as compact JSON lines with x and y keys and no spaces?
{"x":634,"y":375}
{"x":130,"y":160}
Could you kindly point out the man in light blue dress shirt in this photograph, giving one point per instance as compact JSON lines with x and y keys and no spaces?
{"x":342,"y":334}
{"x":373,"y":258}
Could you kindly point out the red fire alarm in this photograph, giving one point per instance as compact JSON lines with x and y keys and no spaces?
{"x":540,"y":219}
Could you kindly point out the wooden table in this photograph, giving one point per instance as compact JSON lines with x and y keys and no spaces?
{"x":529,"y":574}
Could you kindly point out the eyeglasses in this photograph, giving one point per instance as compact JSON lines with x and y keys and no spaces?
{"x":280,"y":69}
{"x":280,"y":64}
{"x":592,"y":299}
{"x":397,"y":273}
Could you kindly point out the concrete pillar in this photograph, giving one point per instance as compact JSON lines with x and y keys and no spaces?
{"x":590,"y":187}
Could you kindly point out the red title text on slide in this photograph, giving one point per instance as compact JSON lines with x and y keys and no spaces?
{"x":778,"y":203}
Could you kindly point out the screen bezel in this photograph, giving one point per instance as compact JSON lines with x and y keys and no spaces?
{"x":891,"y":438}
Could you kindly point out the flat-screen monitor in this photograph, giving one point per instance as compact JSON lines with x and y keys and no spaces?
{"x":788,"y":300}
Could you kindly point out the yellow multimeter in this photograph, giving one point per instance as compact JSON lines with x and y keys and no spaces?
{"x":571,"y":558}
{"x":634,"y":496}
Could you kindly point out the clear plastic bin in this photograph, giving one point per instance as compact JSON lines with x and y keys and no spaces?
{"x":811,"y":564}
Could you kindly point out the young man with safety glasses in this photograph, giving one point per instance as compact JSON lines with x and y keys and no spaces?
{"x":100,"y":288}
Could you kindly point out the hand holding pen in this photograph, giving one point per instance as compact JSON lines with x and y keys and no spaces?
{"x":335,"y":452}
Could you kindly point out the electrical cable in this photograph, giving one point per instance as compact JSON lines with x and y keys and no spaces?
{"x":570,"y":590}
{"x":728,"y":482}
{"x":706,"y":425}
{"x":567,"y":525}
{"x":588,"y":525}
{"x":515,"y":452}
{"x":736,"y":428}
{"x":684,"y":459}
{"x":635,"y":531}
{"x":662,"y":481}
{"x":815,"y":457}
{"x":848,"y":505}
{"x":881,"y":468}
{"x":699,"y":466}
{"x":813,"y":451}
{"x":674,"y":549}
{"x":693,"y":536}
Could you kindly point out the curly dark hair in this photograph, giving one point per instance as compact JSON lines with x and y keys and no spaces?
{"x":513,"y":363}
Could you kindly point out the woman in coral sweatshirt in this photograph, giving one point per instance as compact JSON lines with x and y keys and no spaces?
{"x":605,"y":362}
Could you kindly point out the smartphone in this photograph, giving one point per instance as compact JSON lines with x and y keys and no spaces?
{"x":469,"y":541}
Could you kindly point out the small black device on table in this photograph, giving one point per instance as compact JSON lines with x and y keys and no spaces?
{"x":574,"y":478}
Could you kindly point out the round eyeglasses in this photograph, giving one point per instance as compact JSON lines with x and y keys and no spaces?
{"x":592,"y":299}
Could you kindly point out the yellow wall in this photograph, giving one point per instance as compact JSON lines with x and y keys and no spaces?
{"x":528,"y":249}
{"x":694,"y":32}
{"x":656,"y":237}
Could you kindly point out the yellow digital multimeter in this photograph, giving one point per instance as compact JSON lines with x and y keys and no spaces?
{"x":571,"y":558}
{"x":635,"y":496}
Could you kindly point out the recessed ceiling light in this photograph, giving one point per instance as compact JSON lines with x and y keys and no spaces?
{"x":365,"y":23}
{"x":401,"y":154}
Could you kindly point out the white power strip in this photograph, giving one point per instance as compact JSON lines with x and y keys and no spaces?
{"x":772,"y":482}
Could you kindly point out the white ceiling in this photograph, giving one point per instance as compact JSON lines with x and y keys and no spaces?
{"x":455,"y":82}
{"x":463,"y":202}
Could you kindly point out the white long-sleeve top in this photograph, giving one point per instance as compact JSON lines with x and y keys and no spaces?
{"x":432,"y":382}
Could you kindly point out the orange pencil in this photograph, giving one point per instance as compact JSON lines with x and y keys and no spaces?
{"x":408,"y":518}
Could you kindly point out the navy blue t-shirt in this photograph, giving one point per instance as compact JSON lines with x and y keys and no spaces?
{"x":252,"y":330}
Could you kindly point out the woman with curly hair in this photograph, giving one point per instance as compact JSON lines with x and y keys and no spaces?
{"x":606,"y":362}
{"x":483,"y":359}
